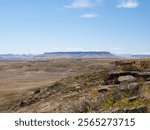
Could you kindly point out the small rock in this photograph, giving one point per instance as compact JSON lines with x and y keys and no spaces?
{"x":37,"y":91}
{"x":140,"y":109}
{"x":132,"y":99}
{"x":78,"y":88}
{"x":21,"y":104}
{"x":102,"y":88}
{"x":148,"y":79}
{"x":102,"y":82}
{"x":133,"y":87}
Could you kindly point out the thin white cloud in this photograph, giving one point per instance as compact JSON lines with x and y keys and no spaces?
{"x":128,"y":4}
{"x":80,"y":4}
{"x":89,"y":15}
{"x":83,"y":3}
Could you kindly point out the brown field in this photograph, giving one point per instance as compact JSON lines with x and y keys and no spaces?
{"x":75,"y":85}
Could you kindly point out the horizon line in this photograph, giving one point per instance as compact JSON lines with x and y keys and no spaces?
{"x":74,"y":52}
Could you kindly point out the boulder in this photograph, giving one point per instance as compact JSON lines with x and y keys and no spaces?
{"x":144,"y":75}
{"x":130,"y":88}
{"x":126,"y":79}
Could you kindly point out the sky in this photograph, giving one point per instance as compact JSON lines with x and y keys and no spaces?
{"x":38,"y":26}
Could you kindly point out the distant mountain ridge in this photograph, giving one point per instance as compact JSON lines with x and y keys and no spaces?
{"x":90,"y":54}
{"x":141,"y":56}
{"x":15,"y":56}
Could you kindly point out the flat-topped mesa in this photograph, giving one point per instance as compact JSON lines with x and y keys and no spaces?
{"x":78,"y":54}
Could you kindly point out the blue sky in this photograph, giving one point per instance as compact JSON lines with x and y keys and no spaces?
{"x":37,"y":26}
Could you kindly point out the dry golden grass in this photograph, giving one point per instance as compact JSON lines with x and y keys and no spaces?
{"x":72,"y":80}
{"x":19,"y":77}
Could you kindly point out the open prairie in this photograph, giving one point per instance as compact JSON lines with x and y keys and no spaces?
{"x":75,"y":85}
